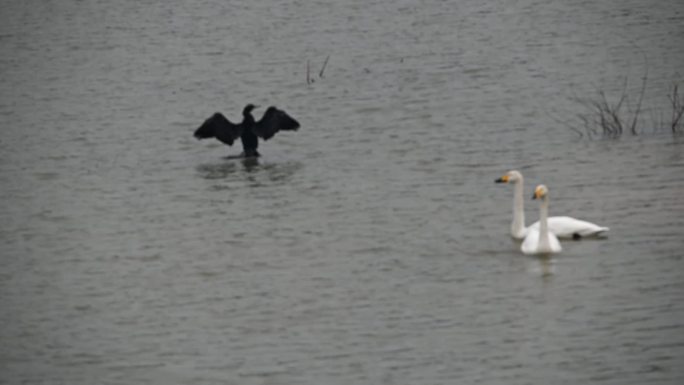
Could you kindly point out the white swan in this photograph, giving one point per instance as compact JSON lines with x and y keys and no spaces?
{"x":562,"y":227}
{"x":541,"y":240}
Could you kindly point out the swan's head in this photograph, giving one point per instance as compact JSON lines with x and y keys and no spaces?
{"x":540,"y":192}
{"x":512,"y":176}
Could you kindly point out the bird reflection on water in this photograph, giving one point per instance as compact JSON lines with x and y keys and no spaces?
{"x":547,"y":267}
{"x":543,"y":265}
{"x":250,"y":169}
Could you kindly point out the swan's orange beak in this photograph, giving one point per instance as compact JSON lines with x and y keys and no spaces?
{"x":538,"y":193}
{"x":503,"y":179}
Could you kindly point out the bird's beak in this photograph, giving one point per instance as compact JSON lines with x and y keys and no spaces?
{"x":503,"y":179}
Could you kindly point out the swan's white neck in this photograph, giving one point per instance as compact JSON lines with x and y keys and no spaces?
{"x":544,"y":243}
{"x":518,"y":225}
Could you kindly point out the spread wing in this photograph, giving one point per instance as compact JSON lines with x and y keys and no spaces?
{"x":217,"y":126}
{"x":274,"y":120}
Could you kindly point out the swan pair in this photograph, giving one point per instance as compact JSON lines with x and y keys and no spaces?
{"x":542,"y":236}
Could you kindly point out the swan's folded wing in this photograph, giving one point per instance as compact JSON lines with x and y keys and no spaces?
{"x":568,"y":227}
{"x":274,"y":120}
{"x":217,"y":126}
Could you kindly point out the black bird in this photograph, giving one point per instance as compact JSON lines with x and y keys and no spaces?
{"x":249,"y":131}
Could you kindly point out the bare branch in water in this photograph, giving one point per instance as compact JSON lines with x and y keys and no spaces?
{"x":325,"y":63}
{"x":309,"y":78}
{"x":565,"y":123}
{"x":638,"y":107}
{"x":611,"y":118}
{"x":677,"y":108}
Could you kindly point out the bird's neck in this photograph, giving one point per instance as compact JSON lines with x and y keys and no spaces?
{"x":247,"y":118}
{"x":543,"y":224}
{"x":518,"y":225}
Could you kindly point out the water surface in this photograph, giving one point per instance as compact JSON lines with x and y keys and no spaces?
{"x":370,"y":247}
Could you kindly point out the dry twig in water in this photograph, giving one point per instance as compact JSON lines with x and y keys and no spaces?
{"x":325,"y":63}
{"x":677,"y":108}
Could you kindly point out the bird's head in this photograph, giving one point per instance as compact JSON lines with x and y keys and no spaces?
{"x":248,"y":109}
{"x":540,"y":192}
{"x":513,"y":176}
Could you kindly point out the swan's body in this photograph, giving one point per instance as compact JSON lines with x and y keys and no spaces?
{"x":531,"y":244}
{"x":562,"y":227}
{"x":541,"y":240}
{"x":569,"y":227}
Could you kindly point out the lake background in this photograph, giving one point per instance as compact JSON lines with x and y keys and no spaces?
{"x":370,"y":247}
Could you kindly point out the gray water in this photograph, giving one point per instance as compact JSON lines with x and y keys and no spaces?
{"x":370,"y":247}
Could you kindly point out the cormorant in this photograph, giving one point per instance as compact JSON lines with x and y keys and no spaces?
{"x":249,"y":131}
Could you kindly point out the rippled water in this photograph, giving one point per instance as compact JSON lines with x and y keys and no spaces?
{"x":370,"y":247}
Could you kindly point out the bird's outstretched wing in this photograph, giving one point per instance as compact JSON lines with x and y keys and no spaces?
{"x":274,"y":120}
{"x":217,"y":126}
